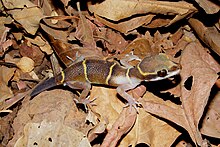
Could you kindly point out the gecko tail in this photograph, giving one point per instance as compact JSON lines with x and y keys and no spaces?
{"x":49,"y":83}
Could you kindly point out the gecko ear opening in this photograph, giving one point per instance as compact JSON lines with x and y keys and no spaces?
{"x":162,"y":73}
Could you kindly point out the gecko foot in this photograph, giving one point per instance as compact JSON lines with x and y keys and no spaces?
{"x":132,"y":103}
{"x":85,"y":102}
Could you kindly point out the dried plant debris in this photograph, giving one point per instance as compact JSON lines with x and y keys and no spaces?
{"x":40,"y":39}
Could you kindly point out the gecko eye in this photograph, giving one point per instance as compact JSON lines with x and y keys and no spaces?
{"x":162,"y":73}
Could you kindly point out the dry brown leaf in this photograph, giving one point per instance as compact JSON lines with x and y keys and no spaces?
{"x":129,"y":25}
{"x":26,"y":64}
{"x":209,"y":6}
{"x":211,"y":122}
{"x":5,"y":75}
{"x":153,"y":131}
{"x":84,"y":31}
{"x":115,"y":41}
{"x":44,"y":45}
{"x":47,"y":8}
{"x":196,"y":62}
{"x":158,"y":22}
{"x":12,"y":4}
{"x":98,"y":129}
{"x":53,"y":106}
{"x":209,"y":35}
{"x":65,"y":2}
{"x":117,"y":10}
{"x":150,"y":130}
{"x":29,"y":18}
{"x":57,"y":33}
{"x":26,"y":13}
{"x":165,"y":109}
{"x":140,"y":47}
{"x":108,"y":106}
{"x":32,"y":52}
{"x":121,"y":126}
{"x":3,"y":28}
{"x":6,"y":131}
{"x":51,"y":134}
{"x":5,"y":45}
{"x":3,"y":34}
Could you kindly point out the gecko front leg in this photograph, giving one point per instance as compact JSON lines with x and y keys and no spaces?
{"x":122,"y":92}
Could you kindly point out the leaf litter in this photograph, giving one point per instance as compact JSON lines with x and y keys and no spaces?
{"x":40,"y":38}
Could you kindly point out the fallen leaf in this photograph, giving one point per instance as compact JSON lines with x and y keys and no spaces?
{"x":51,"y":134}
{"x":115,"y":41}
{"x":32,"y":52}
{"x":118,"y":10}
{"x":209,"y":6}
{"x":108,"y":107}
{"x":5,"y":75}
{"x":211,"y":121}
{"x":55,"y":107}
{"x":26,"y":64}
{"x":199,"y":65}
{"x":84,"y":31}
{"x":12,"y":4}
{"x":209,"y":35}
{"x":121,"y":126}
{"x":164,"y":109}
{"x":129,"y":25}
{"x":153,"y":131}
{"x":29,"y":18}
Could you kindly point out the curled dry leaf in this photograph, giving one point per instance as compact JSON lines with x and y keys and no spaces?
{"x":139,"y":47}
{"x":129,"y":25}
{"x":209,"y":6}
{"x":111,"y":106}
{"x":199,"y":65}
{"x":211,"y":122}
{"x":12,"y":4}
{"x":209,"y":35}
{"x":115,"y":41}
{"x":32,"y":51}
{"x":29,"y":18}
{"x":5,"y":75}
{"x":3,"y":34}
{"x":28,"y":14}
{"x":26,"y":64}
{"x":118,"y":10}
{"x":108,"y":107}
{"x":44,"y":45}
{"x":84,"y":31}
{"x":57,"y":33}
{"x":164,"y":109}
{"x":122,"y":125}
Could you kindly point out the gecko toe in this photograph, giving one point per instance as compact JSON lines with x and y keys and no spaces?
{"x":133,"y":103}
{"x":85,"y":102}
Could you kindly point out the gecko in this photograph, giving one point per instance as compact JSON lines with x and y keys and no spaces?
{"x":82,"y":75}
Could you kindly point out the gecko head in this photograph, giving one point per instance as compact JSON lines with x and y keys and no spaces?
{"x":157,"y":67}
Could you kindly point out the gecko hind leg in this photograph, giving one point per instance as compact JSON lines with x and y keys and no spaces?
{"x":85,"y":87}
